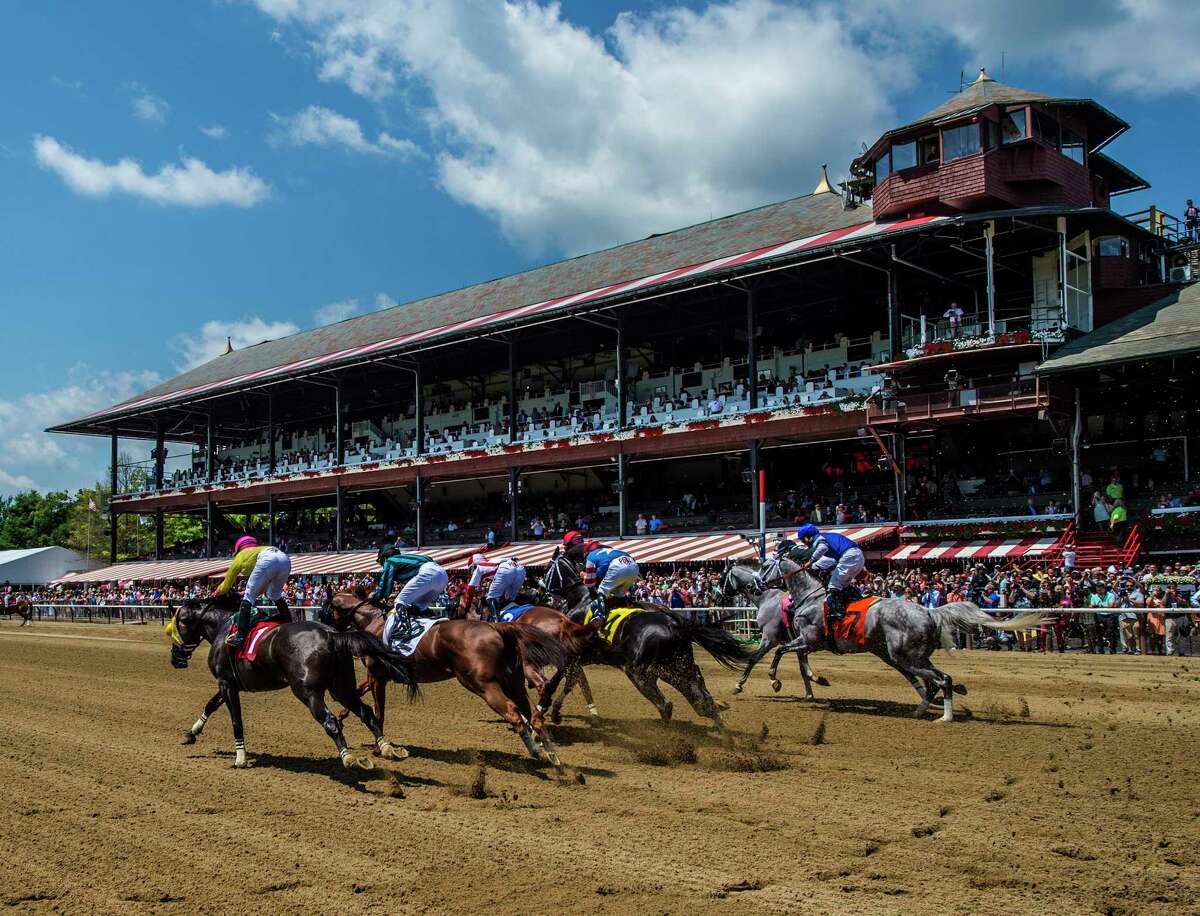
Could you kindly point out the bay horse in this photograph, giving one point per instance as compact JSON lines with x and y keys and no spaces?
{"x":654,"y":643}
{"x":902,"y":633}
{"x":490,"y":660}
{"x":23,"y":608}
{"x":305,"y":656}
{"x":772,"y":624}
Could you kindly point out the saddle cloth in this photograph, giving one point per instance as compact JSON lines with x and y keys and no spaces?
{"x":785,"y":612}
{"x":612,"y":623}
{"x":513,"y":612}
{"x":853,"y":627}
{"x":406,"y":647}
{"x":249,"y":649}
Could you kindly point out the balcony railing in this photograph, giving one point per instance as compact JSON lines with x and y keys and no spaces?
{"x":1022,"y":393}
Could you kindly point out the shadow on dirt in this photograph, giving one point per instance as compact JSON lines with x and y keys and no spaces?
{"x":499,"y":760}
{"x":892,"y":709}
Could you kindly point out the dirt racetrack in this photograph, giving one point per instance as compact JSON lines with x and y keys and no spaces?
{"x":1072,"y":788}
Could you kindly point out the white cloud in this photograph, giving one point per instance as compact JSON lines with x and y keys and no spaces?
{"x":214,"y":131}
{"x":320,"y":126}
{"x":190,"y":184}
{"x":150,"y":108}
{"x":75,"y":86}
{"x":573,"y":140}
{"x":384,"y":301}
{"x":335,"y":312}
{"x":1141,"y":46}
{"x":31,"y":458}
{"x":211,"y":340}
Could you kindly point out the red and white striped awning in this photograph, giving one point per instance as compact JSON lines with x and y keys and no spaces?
{"x":984,"y":549}
{"x":676,"y":548}
{"x":149,"y":571}
{"x":363,"y":561}
{"x":666,"y":273}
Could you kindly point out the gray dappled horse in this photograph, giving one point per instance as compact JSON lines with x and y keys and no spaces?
{"x":900,"y":632}
{"x":768,"y":604}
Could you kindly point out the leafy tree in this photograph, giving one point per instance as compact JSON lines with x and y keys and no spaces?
{"x":32,"y":519}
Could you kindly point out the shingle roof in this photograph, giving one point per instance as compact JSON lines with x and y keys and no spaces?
{"x":741,"y":232}
{"x":1165,"y":328}
{"x":981,"y":93}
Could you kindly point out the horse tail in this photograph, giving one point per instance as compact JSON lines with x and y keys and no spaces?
{"x":527,"y":645}
{"x":360,"y":644}
{"x":964,"y":614}
{"x":716,"y":641}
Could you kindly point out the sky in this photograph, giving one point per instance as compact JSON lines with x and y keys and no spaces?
{"x":175,"y":174}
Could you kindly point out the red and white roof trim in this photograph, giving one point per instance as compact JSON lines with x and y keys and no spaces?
{"x":993,"y":549}
{"x":823,"y":239}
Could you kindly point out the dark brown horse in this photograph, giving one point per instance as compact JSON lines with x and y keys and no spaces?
{"x":490,"y":660}
{"x":23,"y":608}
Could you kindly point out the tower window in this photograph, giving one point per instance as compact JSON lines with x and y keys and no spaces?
{"x":883,"y":167}
{"x":1013,"y":125}
{"x":960,"y":141}
{"x":904,"y":156}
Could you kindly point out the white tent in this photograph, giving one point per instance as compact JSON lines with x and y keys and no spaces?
{"x":39,"y":565}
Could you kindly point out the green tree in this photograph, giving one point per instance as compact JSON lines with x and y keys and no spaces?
{"x":32,"y":519}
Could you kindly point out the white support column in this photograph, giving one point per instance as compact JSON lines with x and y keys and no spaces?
{"x":989,"y":231}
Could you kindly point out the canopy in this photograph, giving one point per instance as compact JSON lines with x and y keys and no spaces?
{"x":677,"y":548}
{"x":993,"y":549}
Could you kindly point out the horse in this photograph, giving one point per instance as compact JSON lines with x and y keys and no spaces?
{"x":654,"y":643}
{"x":489,"y":660}
{"x":900,"y":632}
{"x":23,"y":608}
{"x":768,"y":603}
{"x":305,"y":656}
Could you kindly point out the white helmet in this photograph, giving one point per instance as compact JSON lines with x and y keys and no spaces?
{"x":478,"y":560}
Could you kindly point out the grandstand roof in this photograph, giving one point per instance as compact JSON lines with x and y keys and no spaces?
{"x":675,"y":258}
{"x":1168,"y":327}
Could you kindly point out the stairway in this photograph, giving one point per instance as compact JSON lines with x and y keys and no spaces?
{"x":1096,"y":548}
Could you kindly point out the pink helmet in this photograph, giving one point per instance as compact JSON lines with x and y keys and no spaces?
{"x":246,"y":540}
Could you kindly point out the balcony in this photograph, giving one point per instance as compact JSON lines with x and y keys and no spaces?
{"x":1021,"y":394}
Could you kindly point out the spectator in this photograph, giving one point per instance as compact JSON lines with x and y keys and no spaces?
{"x":1118,"y":521}
{"x":538,"y":528}
{"x":954,"y":315}
{"x":655,"y":525}
{"x":1191,"y":222}
{"x":639,"y":526}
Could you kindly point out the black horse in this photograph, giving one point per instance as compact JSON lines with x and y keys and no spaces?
{"x":654,"y":643}
{"x":307,"y":657}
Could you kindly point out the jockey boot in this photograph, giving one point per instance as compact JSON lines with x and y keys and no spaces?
{"x":402,"y":631}
{"x":235,"y":640}
{"x":493,"y":609}
{"x":836,"y":602}
{"x":599,"y":611}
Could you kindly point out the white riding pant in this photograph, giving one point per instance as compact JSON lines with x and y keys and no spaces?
{"x":621,"y":576}
{"x":424,"y":588}
{"x":845,"y":569}
{"x":506,"y":583}
{"x":269,"y":576}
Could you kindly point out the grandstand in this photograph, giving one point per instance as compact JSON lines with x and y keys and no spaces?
{"x":948,"y":348}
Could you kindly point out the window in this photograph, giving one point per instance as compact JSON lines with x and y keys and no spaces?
{"x":1072,"y":145}
{"x":882,"y":167}
{"x":1113,"y":246}
{"x":960,"y":141}
{"x":928,"y":152}
{"x":991,"y":133}
{"x":1045,"y":127}
{"x":1013,"y":126}
{"x":904,"y":156}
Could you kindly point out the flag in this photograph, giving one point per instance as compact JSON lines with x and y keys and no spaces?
{"x":92,"y":505}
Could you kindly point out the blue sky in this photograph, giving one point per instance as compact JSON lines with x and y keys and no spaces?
{"x":173,"y":173}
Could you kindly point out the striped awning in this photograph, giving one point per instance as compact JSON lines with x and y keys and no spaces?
{"x":984,"y":549}
{"x":149,"y":571}
{"x":363,"y":561}
{"x":676,"y":548}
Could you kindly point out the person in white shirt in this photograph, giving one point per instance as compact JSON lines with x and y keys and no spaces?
{"x":954,"y":315}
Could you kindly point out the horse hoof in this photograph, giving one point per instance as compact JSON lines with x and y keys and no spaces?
{"x":721,"y":705}
{"x":351,"y":762}
{"x":188,"y":738}
{"x":776,"y":686}
{"x":945,"y":719}
{"x":241,"y":764}
{"x":960,"y":690}
{"x":737,"y":688}
{"x":822,"y":682}
{"x":393,"y":752}
{"x":667,"y":711}
{"x":556,"y":716}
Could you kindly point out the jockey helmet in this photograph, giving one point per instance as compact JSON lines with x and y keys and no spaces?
{"x":387,"y":550}
{"x":571,"y":538}
{"x":246,"y":540}
{"x":590,"y":546}
{"x":807,"y":532}
{"x":478,"y":560}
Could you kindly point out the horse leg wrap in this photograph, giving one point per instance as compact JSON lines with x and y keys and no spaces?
{"x":592,"y":709}
{"x":198,"y":727}
{"x":239,"y":752}
{"x":330,"y":724}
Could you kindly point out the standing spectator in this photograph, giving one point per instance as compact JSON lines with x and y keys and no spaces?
{"x":538,"y":528}
{"x":640,"y":525}
{"x":1115,"y":489}
{"x":954,"y":315}
{"x":1191,"y":222}
{"x":655,"y":524}
{"x":1099,"y":510}
{"x":1118,"y":521}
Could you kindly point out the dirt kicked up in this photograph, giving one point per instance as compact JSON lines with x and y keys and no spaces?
{"x":1070,"y":787}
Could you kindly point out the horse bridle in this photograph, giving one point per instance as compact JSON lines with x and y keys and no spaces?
{"x":338,"y":615}
{"x":181,"y":652}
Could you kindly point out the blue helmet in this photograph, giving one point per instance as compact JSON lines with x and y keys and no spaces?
{"x":807,"y":531}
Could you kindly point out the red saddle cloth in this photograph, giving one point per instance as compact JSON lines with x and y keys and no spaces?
{"x":853,"y":627}
{"x":249,"y":648}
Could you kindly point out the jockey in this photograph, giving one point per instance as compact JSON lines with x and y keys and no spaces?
{"x":268,"y":569}
{"x":607,"y":570}
{"x":507,"y":583}
{"x":836,"y":552}
{"x":422,"y":579}
{"x":482,"y":569}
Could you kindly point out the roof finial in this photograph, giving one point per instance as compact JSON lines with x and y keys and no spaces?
{"x":228,"y":345}
{"x":823,"y":186}
{"x":983,"y":77}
